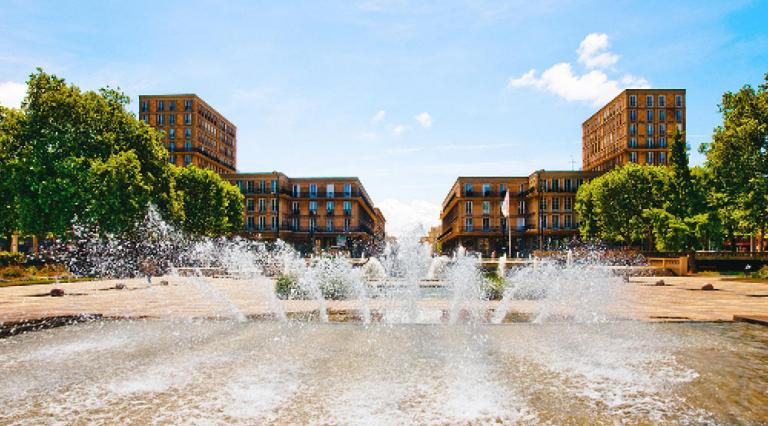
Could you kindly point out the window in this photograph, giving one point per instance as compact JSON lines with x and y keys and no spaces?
{"x":295,"y":223}
{"x":145,"y":118}
{"x":262,"y":223}
{"x":649,"y":142}
{"x":312,"y":224}
{"x":568,"y":222}
{"x":649,"y":158}
{"x":662,"y":115}
{"x":187,"y":133}
{"x":329,"y":207}
{"x":555,"y":204}
{"x":543,"y":221}
{"x":188,"y":105}
{"x":262,"y":186}
{"x":274,"y":223}
{"x":172,"y":134}
{"x":295,"y":207}
{"x":160,"y":119}
{"x":273,"y":186}
{"x":555,"y":185}
{"x":329,"y":224}
{"x":632,"y":100}
{"x":296,"y":190}
{"x":249,"y":204}
{"x":160,"y":106}
{"x":556,"y":222}
{"x":502,"y":189}
{"x":347,"y":208}
{"x":172,"y":119}
{"x":633,"y":157}
{"x":486,"y":207}
{"x":347,"y":189}
{"x":468,"y":189}
{"x":521,"y":207}
{"x":649,"y":101}
{"x":633,"y":129}
{"x":486,"y":224}
{"x":649,"y":115}
{"x":144,"y":106}
{"x":274,"y":205}
{"x":172,"y":159}
{"x":187,"y":119}
{"x":649,"y":129}
{"x":249,"y":223}
{"x":568,"y":185}
{"x":486,"y":189}
{"x":171,"y":147}
{"x":171,"y":106}
{"x":313,"y":207}
{"x":468,"y":207}
{"x":329,"y":190}
{"x":633,"y":115}
{"x":662,"y":129}
{"x":568,"y":204}
{"x":543,"y":204}
{"x":678,"y":101}
{"x":250,"y":187}
{"x":662,"y":101}
{"x":262,"y":205}
{"x":313,"y":190}
{"x":679,"y":116}
{"x":662,"y":142}
{"x":633,"y":142}
{"x":346,"y":224}
{"x":468,"y":224}
{"x":662,"y":158}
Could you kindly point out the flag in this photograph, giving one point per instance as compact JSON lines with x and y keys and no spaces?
{"x":505,"y":205}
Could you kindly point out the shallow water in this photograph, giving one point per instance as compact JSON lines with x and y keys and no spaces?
{"x":255,"y":372}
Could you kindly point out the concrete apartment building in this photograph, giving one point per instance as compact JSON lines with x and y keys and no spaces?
{"x":310,"y":213}
{"x":541,"y":212}
{"x":195,"y":133}
{"x":637,"y":126}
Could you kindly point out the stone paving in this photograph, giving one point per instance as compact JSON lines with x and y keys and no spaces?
{"x":681,"y":299}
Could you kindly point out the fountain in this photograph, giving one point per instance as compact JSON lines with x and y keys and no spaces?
{"x":349,"y":345}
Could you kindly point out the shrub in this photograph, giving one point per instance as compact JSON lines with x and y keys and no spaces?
{"x":12,"y":272}
{"x":7,"y":258}
{"x":493,"y":286}
{"x":287,"y":287}
{"x":762,"y":273}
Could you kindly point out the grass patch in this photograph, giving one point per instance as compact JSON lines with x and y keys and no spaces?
{"x":38,"y":281}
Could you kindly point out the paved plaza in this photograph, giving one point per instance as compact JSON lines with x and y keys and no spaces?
{"x":680,"y":299}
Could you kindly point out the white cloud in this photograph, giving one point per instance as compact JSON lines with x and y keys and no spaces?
{"x":12,"y":93}
{"x":593,"y":52}
{"x":424,"y":119}
{"x":594,"y":86}
{"x":405,"y":217}
{"x":399,"y":129}
{"x":379,"y":116}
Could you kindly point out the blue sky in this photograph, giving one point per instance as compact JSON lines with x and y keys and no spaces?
{"x":405,"y":95}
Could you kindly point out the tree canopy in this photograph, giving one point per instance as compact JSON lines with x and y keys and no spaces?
{"x":70,"y":155}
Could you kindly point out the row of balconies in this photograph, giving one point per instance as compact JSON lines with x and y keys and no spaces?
{"x":308,"y":229}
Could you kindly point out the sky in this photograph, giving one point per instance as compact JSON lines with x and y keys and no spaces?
{"x":405,"y":95}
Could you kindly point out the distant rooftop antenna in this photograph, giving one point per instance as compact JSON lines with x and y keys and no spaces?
{"x":573,"y":162}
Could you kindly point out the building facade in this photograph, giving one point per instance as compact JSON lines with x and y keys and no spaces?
{"x":195,"y":133}
{"x":637,"y":126}
{"x":311,"y":213}
{"x":541,"y":212}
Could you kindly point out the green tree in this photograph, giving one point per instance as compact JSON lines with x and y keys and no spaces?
{"x":611,"y":207}
{"x":737,"y":159}
{"x":9,"y":123}
{"x":212,"y":206}
{"x":65,"y":141}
